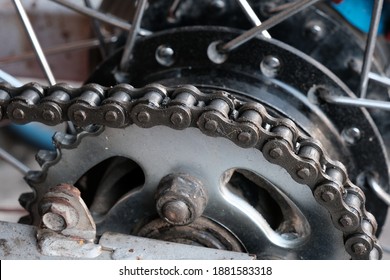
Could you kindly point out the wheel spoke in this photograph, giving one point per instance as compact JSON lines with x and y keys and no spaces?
{"x":68,"y":47}
{"x":251,"y":15}
{"x":20,"y":166}
{"x":133,"y":33}
{"x":370,"y":47}
{"x":380,"y":192}
{"x":34,"y":41}
{"x":379,"y":79}
{"x":250,"y":34}
{"x":357,"y":102}
{"x":98,"y":32}
{"x":100,"y":16}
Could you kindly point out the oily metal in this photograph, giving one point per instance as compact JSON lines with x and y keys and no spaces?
{"x":247,"y":124}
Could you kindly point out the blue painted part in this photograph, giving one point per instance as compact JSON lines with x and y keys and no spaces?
{"x":38,"y":135}
{"x":358,"y":13}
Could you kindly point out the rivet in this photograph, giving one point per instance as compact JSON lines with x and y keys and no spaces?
{"x":18,"y":114}
{"x":79,"y":116}
{"x":276,"y":153}
{"x":143,"y":117}
{"x":211,"y":125}
{"x":111,"y":116}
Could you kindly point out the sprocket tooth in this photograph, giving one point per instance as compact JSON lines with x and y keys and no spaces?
{"x":45,"y":156}
{"x":25,"y":199}
{"x":61,"y":139}
{"x":25,"y":220}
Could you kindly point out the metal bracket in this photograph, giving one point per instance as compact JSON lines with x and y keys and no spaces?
{"x":19,"y":241}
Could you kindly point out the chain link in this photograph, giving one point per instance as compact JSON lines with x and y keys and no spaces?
{"x":217,"y":114}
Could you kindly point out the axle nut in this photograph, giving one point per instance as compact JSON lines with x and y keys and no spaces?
{"x":180,"y":199}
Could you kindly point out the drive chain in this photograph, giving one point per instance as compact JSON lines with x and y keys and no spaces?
{"x":217,"y":114}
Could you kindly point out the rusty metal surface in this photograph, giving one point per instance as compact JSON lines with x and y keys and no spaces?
{"x":67,"y":228}
{"x":18,"y":241}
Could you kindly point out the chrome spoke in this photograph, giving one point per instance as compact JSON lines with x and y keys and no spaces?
{"x":11,"y":160}
{"x":379,"y":191}
{"x":68,"y":47}
{"x":133,"y":33}
{"x":172,"y":10}
{"x":34,"y":41}
{"x":98,"y":32}
{"x":370,"y":47}
{"x":251,"y":15}
{"x":357,"y":102}
{"x":385,"y":81}
{"x":100,"y":16}
{"x":278,"y":18}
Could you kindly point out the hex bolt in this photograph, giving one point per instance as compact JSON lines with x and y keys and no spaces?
{"x":346,"y":221}
{"x":303,"y":173}
{"x":111,"y":116}
{"x":177,"y":118}
{"x":270,"y":66}
{"x":48,"y":115}
{"x":143,"y":117}
{"x":18,"y":114}
{"x":359,"y":249}
{"x":244,"y":137}
{"x":180,"y":199}
{"x":211,"y":125}
{"x":54,"y":221}
{"x":165,"y":55}
{"x":79,"y":116}
{"x":275,"y":153}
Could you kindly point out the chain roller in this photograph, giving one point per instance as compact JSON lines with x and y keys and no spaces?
{"x":217,"y":114}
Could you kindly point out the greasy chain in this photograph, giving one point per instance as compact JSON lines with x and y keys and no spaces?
{"x":217,"y":114}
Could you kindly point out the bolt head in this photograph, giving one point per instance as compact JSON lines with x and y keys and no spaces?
{"x":315,"y":30}
{"x":176,"y":212}
{"x":54,"y":221}
{"x":217,"y":6}
{"x":351,"y":135}
{"x":165,"y":55}
{"x":270,"y":66}
{"x":54,"y":210}
{"x":276,"y":153}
